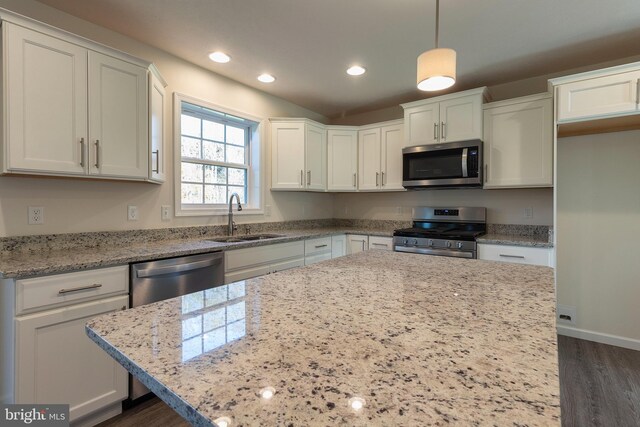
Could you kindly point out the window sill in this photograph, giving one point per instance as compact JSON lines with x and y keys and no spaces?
{"x":181,"y":212}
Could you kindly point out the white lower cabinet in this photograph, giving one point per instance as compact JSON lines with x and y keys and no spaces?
{"x":338,"y":245}
{"x":316,"y":250}
{"x":57,"y":363}
{"x":357,"y":243}
{"x":246,"y":263}
{"x":378,"y":242}
{"x":516,"y":254}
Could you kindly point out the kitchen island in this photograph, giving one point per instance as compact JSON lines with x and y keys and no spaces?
{"x":376,"y":338}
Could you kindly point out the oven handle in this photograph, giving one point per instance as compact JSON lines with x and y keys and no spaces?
{"x":178,"y":268}
{"x":424,"y":251}
{"x":465,"y":173}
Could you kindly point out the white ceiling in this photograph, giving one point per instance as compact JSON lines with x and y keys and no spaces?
{"x":308,"y":44}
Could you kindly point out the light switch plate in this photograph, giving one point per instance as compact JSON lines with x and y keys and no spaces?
{"x":132,"y":213}
{"x":528,"y":212}
{"x":36,"y":215}
{"x":165,"y":212}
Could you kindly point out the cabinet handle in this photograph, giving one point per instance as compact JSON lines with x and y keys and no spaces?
{"x":82,"y":152}
{"x":157,"y":153}
{"x":320,"y":246}
{"x":97,"y":143}
{"x":486,"y":172}
{"x":354,"y":179}
{"x":301,"y":174}
{"x":81,"y":288}
{"x":444,"y":129}
{"x":309,"y":177}
{"x":512,"y":256}
{"x":435,"y":131}
{"x":638,"y":92}
{"x":377,"y":178}
{"x":383,"y":179}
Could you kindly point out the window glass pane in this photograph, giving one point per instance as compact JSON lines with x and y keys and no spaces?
{"x":191,"y":172}
{"x":235,"y":135}
{"x":214,"y":319}
{"x":237,"y":176}
{"x":235,"y":330}
{"x":214,"y":339}
{"x":240,"y":191}
{"x":213,"y":151}
{"x":213,"y":130}
{"x":190,"y":147}
{"x":235,"y":312}
{"x":235,"y":154}
{"x":192,"y":193}
{"x":192,"y":327}
{"x":215,"y":174}
{"x":190,"y":126}
{"x":215,"y":194}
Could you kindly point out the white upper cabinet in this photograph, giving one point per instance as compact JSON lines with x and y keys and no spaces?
{"x":342,"y":149}
{"x":298,"y":155}
{"x":597,"y":95}
{"x":72,"y":108}
{"x":157,"y":120}
{"x":446,"y":118}
{"x":47,"y":102}
{"x":118,"y":111}
{"x":380,"y":157}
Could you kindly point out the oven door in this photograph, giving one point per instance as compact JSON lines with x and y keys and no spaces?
{"x":455,"y":164}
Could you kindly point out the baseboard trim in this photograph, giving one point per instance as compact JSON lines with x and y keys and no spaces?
{"x":615,"y":340}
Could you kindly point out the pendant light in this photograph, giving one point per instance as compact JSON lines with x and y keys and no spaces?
{"x":437,"y":67}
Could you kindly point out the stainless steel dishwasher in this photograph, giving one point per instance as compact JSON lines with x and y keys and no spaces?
{"x":167,"y":278}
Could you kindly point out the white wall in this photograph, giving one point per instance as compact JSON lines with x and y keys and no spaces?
{"x":73,"y":205}
{"x":598,"y":230}
{"x":503,"y":206}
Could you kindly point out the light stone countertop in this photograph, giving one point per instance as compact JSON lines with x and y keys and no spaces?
{"x":21,"y":264}
{"x":516,"y":240}
{"x":423,"y":340}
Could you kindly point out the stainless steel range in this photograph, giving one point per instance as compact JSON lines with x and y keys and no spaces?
{"x":442,"y":231}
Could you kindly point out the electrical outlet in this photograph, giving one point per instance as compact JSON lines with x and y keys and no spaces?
{"x":566,"y":314}
{"x":528,"y":212}
{"x":267,"y":210}
{"x":36,"y":215}
{"x":165,"y":212}
{"x":132,"y":213}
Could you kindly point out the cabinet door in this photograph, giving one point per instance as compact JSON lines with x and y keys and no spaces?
{"x":391,"y":170}
{"x":57,"y":363}
{"x":369,"y":159}
{"x":516,"y":254}
{"x":46,"y":104}
{"x":422,"y":125}
{"x":378,"y":242}
{"x":461,"y":119}
{"x":315,"y":158}
{"x":338,"y":246}
{"x":598,"y":97}
{"x":518,"y":145}
{"x":156,"y":129}
{"x":287,"y":155}
{"x":343,"y":160}
{"x":118,"y":118}
{"x":357,"y":243}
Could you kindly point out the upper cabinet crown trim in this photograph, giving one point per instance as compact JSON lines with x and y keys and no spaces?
{"x":618,"y":69}
{"x":380,"y":124}
{"x":49,"y":30}
{"x":520,"y":100}
{"x":478,"y":91}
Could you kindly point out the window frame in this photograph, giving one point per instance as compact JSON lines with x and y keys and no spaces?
{"x":254,"y":155}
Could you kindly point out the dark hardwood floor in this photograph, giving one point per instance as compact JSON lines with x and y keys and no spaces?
{"x":599,"y":386}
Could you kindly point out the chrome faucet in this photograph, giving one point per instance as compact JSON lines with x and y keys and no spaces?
{"x":232,"y":225}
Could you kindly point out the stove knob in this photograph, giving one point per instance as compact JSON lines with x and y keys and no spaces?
{"x":430,"y":242}
{"x":415,"y":242}
{"x":448,"y":244}
{"x":459,"y":245}
{"x":405,"y":241}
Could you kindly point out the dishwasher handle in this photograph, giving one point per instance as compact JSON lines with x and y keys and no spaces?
{"x":178,"y":268}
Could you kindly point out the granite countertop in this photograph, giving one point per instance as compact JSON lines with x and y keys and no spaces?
{"x":471,"y":343}
{"x":516,"y":240}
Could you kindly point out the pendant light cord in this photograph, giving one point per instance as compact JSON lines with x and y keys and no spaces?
{"x":437,"y":20}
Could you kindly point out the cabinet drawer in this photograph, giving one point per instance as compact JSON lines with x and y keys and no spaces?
{"x":377,"y":242}
{"x":246,"y":273}
{"x":317,"y":246}
{"x":241,"y":258}
{"x":515,"y":254}
{"x":61,"y":289}
{"x":317,"y":258}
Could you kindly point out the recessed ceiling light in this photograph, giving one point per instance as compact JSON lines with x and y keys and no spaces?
{"x":266,"y":78}
{"x":356,"y":70}
{"x":220,"y":57}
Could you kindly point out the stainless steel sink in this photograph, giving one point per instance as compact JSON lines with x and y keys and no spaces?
{"x":245,"y":238}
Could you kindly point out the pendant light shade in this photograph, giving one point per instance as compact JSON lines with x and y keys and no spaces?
{"x":436,"y":67}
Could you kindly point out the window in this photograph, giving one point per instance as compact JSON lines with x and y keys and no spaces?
{"x":218,"y":157}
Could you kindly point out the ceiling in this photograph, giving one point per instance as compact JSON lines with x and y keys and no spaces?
{"x":308,"y":45}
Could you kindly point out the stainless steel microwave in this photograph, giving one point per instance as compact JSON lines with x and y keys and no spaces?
{"x":451,"y":164}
